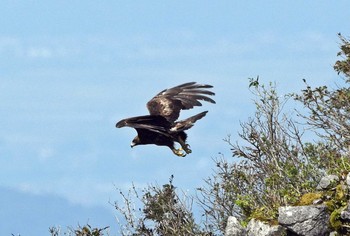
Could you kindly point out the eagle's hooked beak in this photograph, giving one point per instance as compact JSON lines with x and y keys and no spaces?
{"x":135,"y":141}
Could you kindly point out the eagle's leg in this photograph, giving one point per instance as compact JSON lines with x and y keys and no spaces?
{"x":178,"y":152}
{"x":185,"y":146}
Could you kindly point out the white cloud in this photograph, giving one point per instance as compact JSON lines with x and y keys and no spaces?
{"x":9,"y":46}
{"x":8,"y":42}
{"x":178,"y":44}
{"x":46,"y":153}
{"x":312,"y":41}
{"x":38,"y":48}
{"x":86,"y":193}
{"x":219,"y":47}
{"x":39,"y":52}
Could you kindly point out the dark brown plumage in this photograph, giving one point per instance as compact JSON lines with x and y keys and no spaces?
{"x":161,"y":127}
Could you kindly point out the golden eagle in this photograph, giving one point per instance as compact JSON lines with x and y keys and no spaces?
{"x":161,"y":127}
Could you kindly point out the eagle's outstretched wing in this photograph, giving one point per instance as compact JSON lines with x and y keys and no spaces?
{"x":156,"y":124}
{"x":170,"y":102}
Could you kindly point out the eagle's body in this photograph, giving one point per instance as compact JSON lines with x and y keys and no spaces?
{"x":160,"y":127}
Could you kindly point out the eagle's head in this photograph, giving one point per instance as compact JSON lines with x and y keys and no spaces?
{"x":135,"y":141}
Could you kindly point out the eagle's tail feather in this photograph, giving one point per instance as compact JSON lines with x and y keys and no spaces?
{"x":187,"y":123}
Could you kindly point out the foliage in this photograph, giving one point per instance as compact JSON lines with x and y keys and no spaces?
{"x":86,"y":230}
{"x":329,"y":118}
{"x":329,"y":109}
{"x":329,"y":115}
{"x":309,"y":198}
{"x":343,"y":66}
{"x":337,"y":200}
{"x":273,"y":168}
{"x":163,"y":213}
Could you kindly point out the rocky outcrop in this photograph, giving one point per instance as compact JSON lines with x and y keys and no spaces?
{"x":327,"y":181}
{"x":293,"y":220}
{"x":259,"y":228}
{"x":320,"y":214}
{"x":305,"y":220}
{"x":234,"y":228}
{"x":254,"y":228}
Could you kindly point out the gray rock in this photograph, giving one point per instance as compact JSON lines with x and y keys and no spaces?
{"x":258,"y":228}
{"x":348,"y":179}
{"x":326,"y":182}
{"x":305,"y":220}
{"x":345,"y":213}
{"x":234,"y":228}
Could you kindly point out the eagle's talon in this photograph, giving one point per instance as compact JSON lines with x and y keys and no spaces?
{"x":179,"y":152}
{"x":187,"y":148}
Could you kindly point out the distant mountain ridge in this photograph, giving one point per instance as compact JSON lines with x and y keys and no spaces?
{"x":27,"y":214}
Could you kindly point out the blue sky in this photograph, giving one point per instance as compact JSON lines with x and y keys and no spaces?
{"x":69,"y":70}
